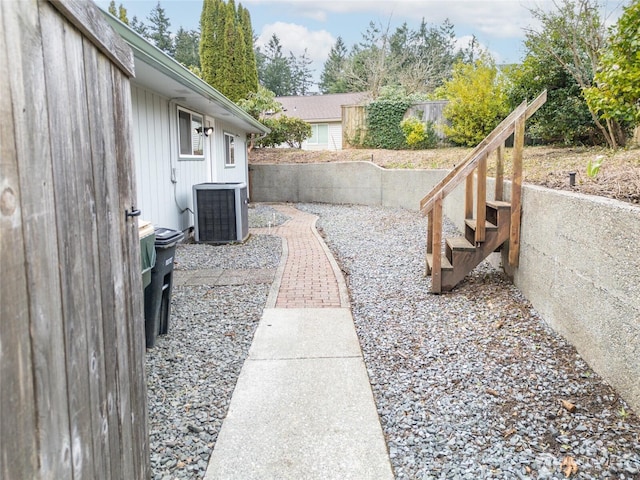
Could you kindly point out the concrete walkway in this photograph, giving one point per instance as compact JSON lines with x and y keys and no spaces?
{"x":302,"y":407}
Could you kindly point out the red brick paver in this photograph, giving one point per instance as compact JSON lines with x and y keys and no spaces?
{"x":308,"y":280}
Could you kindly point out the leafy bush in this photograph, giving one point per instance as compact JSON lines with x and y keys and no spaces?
{"x":417,"y":134}
{"x":290,"y":130}
{"x":477,"y":101}
{"x":295,"y":130}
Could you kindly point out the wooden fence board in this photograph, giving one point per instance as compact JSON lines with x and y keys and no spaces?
{"x":17,"y":400}
{"x":65,"y":85}
{"x":133,"y":281}
{"x":98,"y":74}
{"x":32,"y":133}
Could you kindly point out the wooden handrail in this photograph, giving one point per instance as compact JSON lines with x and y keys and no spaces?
{"x":492,"y":141}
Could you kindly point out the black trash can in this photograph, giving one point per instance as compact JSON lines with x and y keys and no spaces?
{"x":157,"y":295}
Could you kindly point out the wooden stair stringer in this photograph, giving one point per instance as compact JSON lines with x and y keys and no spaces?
{"x":462,"y":256}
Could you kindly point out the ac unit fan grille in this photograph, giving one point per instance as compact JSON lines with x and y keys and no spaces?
{"x":216,"y":215}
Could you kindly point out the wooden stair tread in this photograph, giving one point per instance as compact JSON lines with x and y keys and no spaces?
{"x":444,"y":262}
{"x":498,"y":204}
{"x":460,"y":243}
{"x":487,"y":225}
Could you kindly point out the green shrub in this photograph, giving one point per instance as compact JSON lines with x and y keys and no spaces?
{"x":290,"y":130}
{"x":477,"y":101}
{"x":418,"y":135}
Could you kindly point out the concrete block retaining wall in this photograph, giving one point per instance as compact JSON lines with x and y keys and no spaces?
{"x":579,"y":257}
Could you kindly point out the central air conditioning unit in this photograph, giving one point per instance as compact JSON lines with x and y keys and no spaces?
{"x":221,"y":212}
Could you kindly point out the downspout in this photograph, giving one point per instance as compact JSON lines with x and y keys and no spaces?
{"x":249,"y":170}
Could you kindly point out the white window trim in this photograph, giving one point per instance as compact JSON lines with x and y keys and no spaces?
{"x":226,"y":150}
{"x":182,"y":156}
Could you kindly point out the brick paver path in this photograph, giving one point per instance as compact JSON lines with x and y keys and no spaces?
{"x":308,"y":279}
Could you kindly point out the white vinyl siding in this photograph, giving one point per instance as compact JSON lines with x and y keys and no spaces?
{"x":156,"y":154}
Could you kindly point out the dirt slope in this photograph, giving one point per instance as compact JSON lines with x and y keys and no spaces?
{"x":619,"y":176}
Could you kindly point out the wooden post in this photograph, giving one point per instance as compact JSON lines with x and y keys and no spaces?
{"x":499,"y":195}
{"x":429,"y":241}
{"x":481,"y":202}
{"x":436,"y":270}
{"x":516,"y":193}
{"x":468,"y":199}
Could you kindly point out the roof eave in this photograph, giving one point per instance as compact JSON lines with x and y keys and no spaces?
{"x":159,"y":60}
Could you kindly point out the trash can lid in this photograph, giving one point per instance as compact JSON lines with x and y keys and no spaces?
{"x":167,"y":236}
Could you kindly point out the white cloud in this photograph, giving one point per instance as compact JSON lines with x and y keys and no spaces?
{"x":296,"y":38}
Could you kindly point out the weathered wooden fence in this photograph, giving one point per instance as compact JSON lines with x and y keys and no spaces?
{"x":72,"y":391}
{"x":354,"y":120}
{"x":354,"y":125}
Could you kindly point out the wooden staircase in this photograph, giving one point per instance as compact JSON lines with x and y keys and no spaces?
{"x":488,"y":224}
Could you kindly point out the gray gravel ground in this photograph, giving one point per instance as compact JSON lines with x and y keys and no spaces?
{"x":192,"y":371}
{"x":468,"y":384}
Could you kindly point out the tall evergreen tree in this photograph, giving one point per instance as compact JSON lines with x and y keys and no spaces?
{"x":186,"y":47}
{"x":277,"y":71}
{"x":139,"y":27}
{"x":251,"y":68}
{"x":209,"y":40}
{"x":223,"y":49}
{"x":159,"y":32}
{"x":122,"y":14}
{"x":332,"y":77}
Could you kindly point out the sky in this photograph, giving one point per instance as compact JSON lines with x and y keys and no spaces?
{"x":315,"y":25}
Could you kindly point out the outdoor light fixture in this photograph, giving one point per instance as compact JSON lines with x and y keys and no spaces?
{"x":207,"y":131}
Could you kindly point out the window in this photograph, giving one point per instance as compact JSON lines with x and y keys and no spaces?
{"x":190,"y":133}
{"x":319,"y":135}
{"x":229,"y":153}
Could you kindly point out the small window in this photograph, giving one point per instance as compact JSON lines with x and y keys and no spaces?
{"x":319,"y":135}
{"x":191,"y":138}
{"x":229,"y":153}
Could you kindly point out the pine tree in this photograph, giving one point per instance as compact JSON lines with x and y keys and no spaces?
{"x":186,"y":48}
{"x":332,"y":78}
{"x":112,"y":8}
{"x":277,"y":71}
{"x":159,"y":32}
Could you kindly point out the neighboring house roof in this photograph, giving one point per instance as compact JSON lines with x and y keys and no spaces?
{"x":159,"y":72}
{"x":320,"y":108}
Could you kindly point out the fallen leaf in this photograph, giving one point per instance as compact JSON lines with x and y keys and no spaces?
{"x":491,"y":391}
{"x":568,"y":406}
{"x":180,"y":464}
{"x":568,"y":466}
{"x":509,"y":432}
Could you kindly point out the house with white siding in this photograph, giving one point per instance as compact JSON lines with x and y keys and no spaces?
{"x":185,"y":133}
{"x":324,"y":114}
